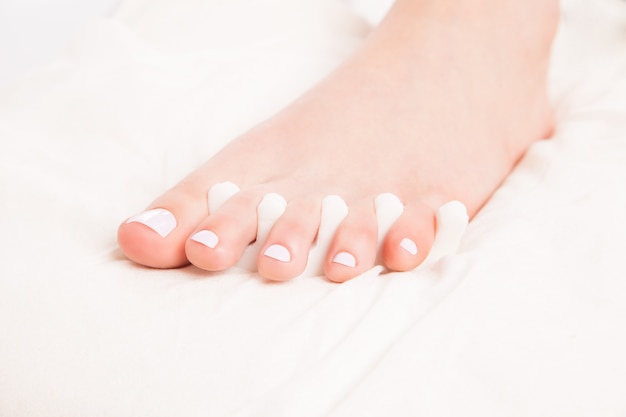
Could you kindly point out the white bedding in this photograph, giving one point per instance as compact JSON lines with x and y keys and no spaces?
{"x":526,"y":320}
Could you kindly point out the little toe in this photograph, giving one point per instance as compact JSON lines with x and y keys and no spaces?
{"x":285,"y":253}
{"x":219,"y":240}
{"x":156,"y":237}
{"x":353,"y":250}
{"x":410,"y":238}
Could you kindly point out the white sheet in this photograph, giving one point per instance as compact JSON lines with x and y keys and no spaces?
{"x":32,"y":32}
{"x":526,"y":320}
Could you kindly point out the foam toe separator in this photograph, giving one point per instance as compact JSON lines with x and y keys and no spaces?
{"x":268,"y":211}
{"x":220,"y":193}
{"x":334,"y":210}
{"x":452,"y":220}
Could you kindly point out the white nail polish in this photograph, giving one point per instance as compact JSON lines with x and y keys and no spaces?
{"x":278,"y":252}
{"x":409,"y":246}
{"x":159,"y":220}
{"x":345,"y":258}
{"x":207,"y":238}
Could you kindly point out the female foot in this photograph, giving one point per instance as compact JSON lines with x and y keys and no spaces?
{"x":438,"y":104}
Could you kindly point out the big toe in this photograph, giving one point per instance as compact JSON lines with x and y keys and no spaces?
{"x":156,"y":237}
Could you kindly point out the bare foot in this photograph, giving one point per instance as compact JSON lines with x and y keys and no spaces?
{"x":439,"y":103}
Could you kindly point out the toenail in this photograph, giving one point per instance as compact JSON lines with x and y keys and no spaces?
{"x":345,"y":258}
{"x":159,"y":220}
{"x":207,"y":238}
{"x":409,"y":246}
{"x":278,"y":252}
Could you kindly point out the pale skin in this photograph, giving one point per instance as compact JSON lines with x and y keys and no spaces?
{"x":438,"y":104}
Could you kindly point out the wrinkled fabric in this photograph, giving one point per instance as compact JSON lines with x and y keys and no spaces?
{"x":527,"y":319}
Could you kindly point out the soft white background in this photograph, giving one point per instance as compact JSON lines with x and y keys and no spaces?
{"x":527,"y":319}
{"x":32,"y":32}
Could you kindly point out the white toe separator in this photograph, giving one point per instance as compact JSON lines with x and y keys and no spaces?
{"x":268,"y":211}
{"x":452,"y":220}
{"x":334,"y":210}
{"x":219,"y":193}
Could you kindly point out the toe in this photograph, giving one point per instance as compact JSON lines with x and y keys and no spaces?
{"x":286,"y":250}
{"x":220,"y":239}
{"x":353,"y":250}
{"x":410,"y":238}
{"x":156,"y":237}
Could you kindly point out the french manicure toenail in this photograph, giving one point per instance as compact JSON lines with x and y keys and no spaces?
{"x":409,"y":246}
{"x":345,"y":258}
{"x":207,"y":238}
{"x":160,"y":220}
{"x":278,"y":252}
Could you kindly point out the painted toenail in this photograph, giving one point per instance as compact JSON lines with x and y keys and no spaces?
{"x":159,"y":220}
{"x":207,"y":238}
{"x":278,"y":252}
{"x":345,"y":258}
{"x":409,"y":246}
